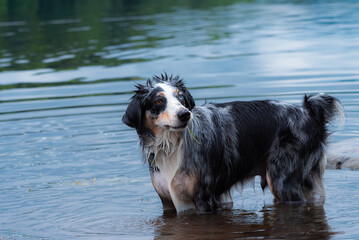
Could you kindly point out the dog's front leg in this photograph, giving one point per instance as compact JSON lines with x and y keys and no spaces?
{"x":181,"y":190}
{"x":205,"y":200}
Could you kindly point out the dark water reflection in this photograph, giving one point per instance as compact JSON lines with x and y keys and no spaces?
{"x":278,"y":221}
{"x":69,"y":169}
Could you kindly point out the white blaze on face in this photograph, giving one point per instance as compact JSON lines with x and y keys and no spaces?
{"x":169,"y":116}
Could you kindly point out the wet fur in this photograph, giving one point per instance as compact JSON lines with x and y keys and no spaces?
{"x":282,"y":143}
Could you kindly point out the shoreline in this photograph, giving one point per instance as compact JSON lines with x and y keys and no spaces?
{"x":343,"y":154}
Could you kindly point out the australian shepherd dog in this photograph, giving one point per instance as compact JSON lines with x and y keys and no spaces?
{"x":196,"y":155}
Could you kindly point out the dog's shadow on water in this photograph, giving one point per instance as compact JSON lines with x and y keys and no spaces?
{"x":277,"y":221}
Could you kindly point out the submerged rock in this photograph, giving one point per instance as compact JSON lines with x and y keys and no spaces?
{"x":344,"y":154}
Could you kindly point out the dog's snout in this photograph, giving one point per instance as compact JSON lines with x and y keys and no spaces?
{"x":184,"y":115}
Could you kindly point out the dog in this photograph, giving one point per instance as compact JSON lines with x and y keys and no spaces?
{"x":196,"y":155}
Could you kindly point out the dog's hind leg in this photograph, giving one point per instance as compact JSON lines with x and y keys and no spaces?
{"x":313,"y":183}
{"x":294,"y":178}
{"x":284,"y":168}
{"x":284,"y":175}
{"x":285,"y":189}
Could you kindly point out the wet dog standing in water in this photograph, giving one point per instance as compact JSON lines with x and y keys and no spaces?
{"x":197,"y":154}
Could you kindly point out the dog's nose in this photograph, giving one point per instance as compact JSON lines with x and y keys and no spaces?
{"x":184,"y":115}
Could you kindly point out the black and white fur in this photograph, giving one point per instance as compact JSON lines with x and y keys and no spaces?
{"x":282,"y":143}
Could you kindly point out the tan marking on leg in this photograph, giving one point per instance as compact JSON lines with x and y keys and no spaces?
{"x":182,"y":190}
{"x":269,"y":181}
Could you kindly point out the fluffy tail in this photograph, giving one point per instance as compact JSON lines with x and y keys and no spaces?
{"x":324,"y":108}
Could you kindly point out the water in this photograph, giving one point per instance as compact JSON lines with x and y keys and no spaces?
{"x":71,"y":170}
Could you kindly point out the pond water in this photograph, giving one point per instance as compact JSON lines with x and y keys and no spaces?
{"x":70,"y":169}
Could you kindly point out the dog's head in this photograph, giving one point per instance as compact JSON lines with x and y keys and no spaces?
{"x":163,"y":103}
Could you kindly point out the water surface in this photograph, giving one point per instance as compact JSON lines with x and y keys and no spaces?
{"x":71,"y":170}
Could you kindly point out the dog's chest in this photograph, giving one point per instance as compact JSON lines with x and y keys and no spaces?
{"x":166,"y":168}
{"x":171,"y":183}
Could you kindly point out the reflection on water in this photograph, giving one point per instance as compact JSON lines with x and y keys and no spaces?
{"x":70,"y":169}
{"x":278,"y":221}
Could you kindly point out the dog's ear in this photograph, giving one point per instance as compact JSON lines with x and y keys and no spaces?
{"x":189,"y":101}
{"x":133,"y":114}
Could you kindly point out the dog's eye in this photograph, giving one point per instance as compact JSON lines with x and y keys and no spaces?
{"x":158,"y":101}
{"x":180,"y":97}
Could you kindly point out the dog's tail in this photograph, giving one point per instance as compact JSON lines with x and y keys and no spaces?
{"x":324,"y":108}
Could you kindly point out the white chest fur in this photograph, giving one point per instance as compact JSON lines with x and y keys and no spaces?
{"x":168,"y":182}
{"x":168,"y":165}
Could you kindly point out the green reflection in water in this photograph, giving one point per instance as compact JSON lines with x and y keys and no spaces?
{"x":77,"y":81}
{"x":67,"y":34}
